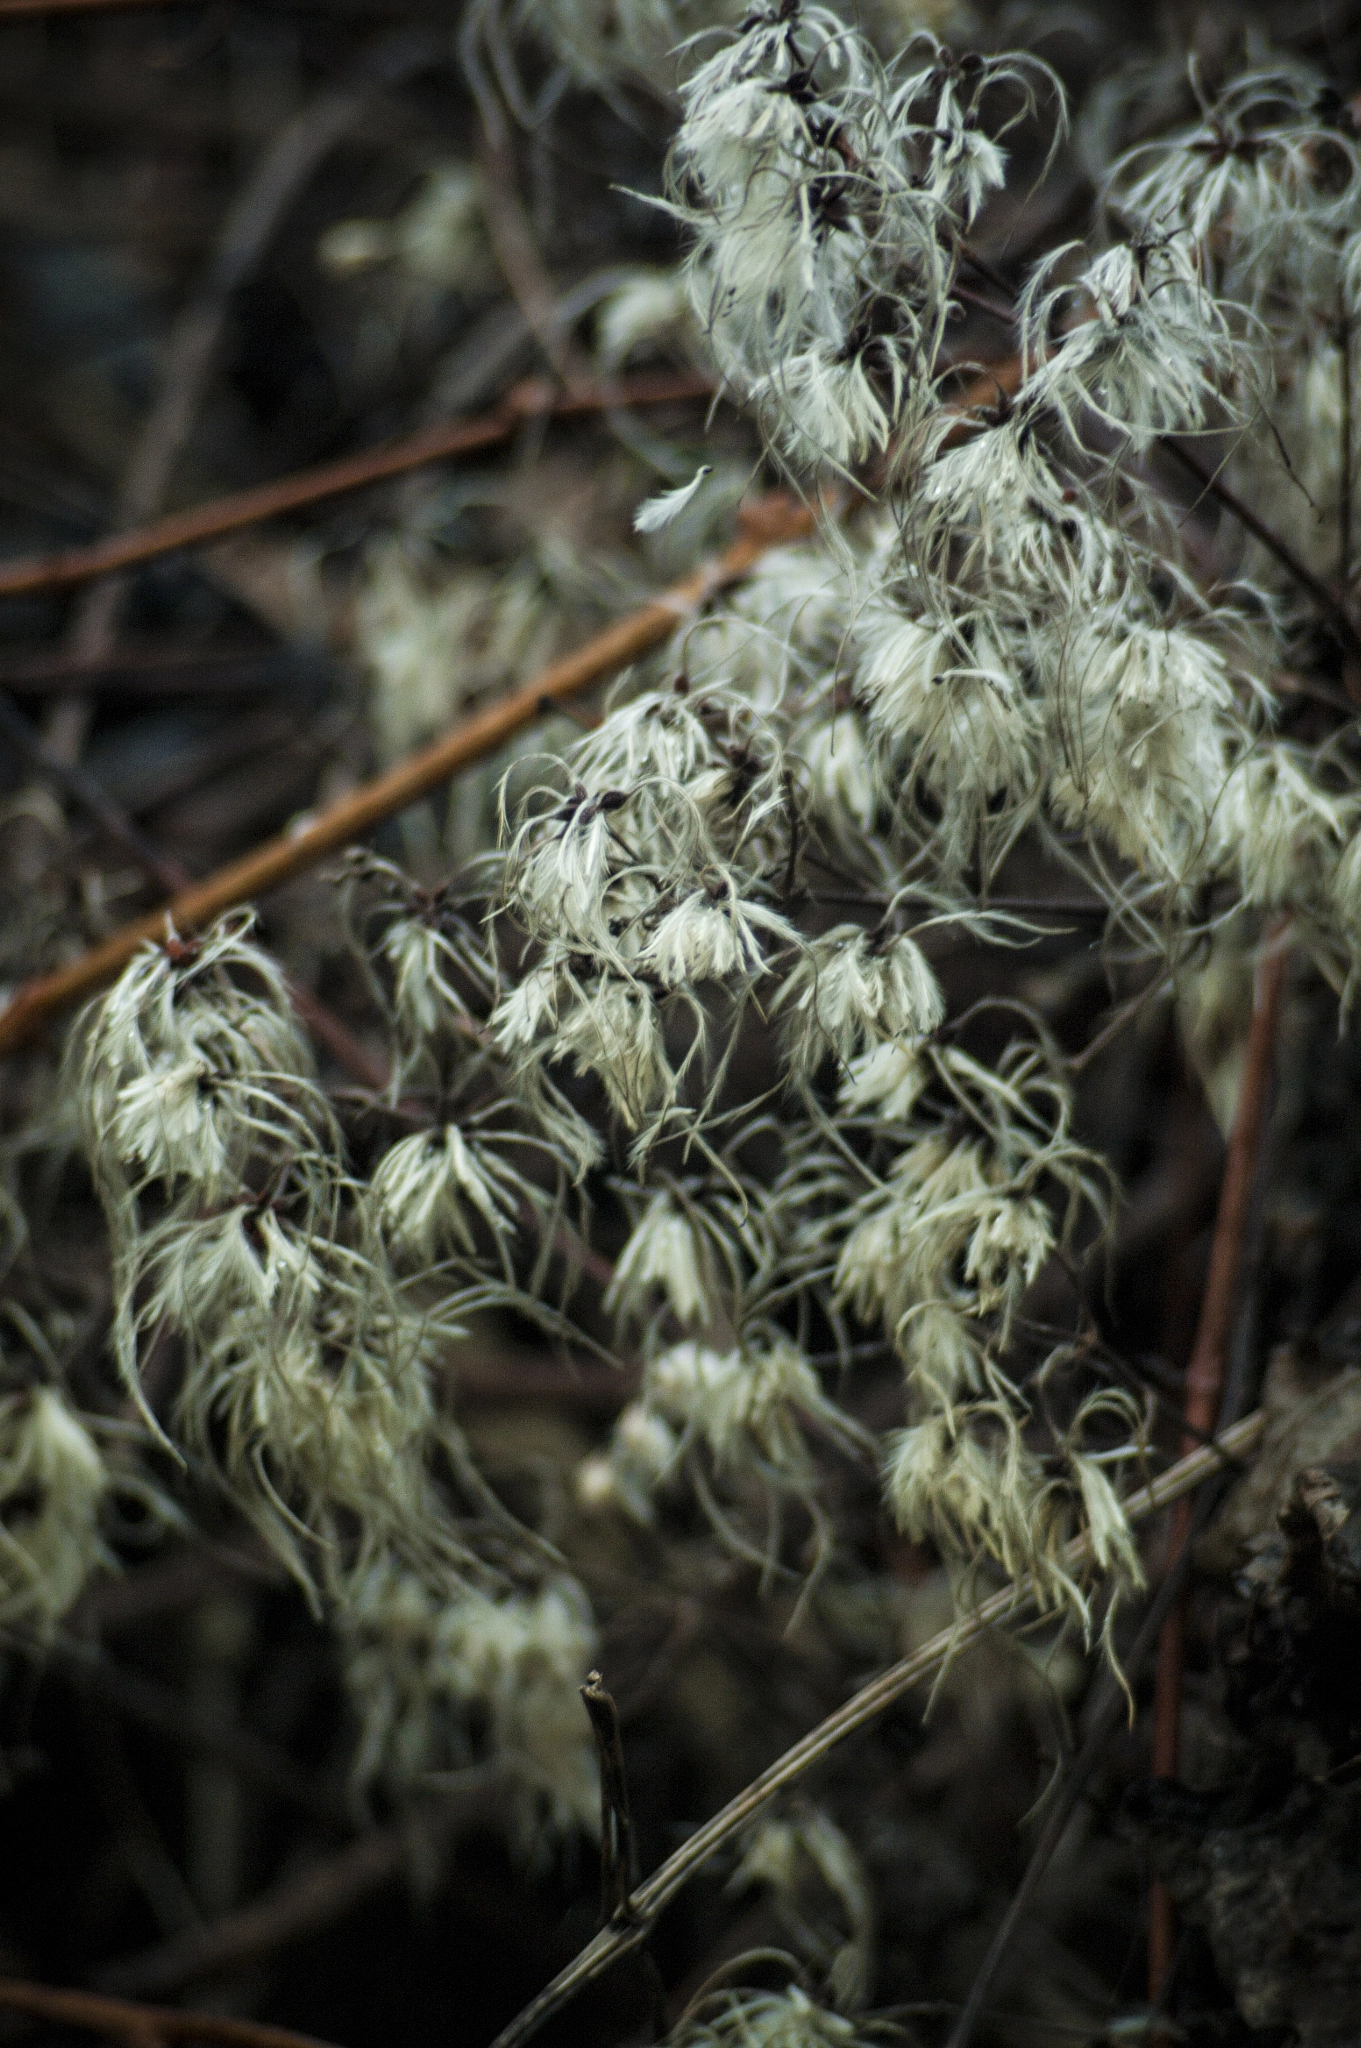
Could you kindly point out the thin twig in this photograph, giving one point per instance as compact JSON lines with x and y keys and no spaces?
{"x":161,"y":1709}
{"x":1328,"y":604}
{"x":122,"y":2019}
{"x":82,"y":788}
{"x":1006,"y":314}
{"x":858,"y":1712}
{"x":1104,"y":1721}
{"x":770,"y":521}
{"x":517,"y":254}
{"x":250,"y":225}
{"x":1205,"y":1379}
{"x":987,"y":271}
{"x":345,"y":1049}
{"x":313,"y":1898}
{"x":616,"y":1824}
{"x":533,"y":398}
{"x":167,"y":874}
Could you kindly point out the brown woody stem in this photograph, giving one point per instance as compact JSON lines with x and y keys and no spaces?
{"x":126,"y":2021}
{"x":616,"y":1824}
{"x":1205,"y":1383}
{"x":865,"y":1706}
{"x":771,"y":520}
{"x":533,"y":399}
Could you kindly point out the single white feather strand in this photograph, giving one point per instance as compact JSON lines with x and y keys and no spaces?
{"x":657,"y":512}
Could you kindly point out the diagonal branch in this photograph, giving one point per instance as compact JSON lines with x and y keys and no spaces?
{"x":532,"y":398}
{"x":314,"y":1897}
{"x":516,"y":252}
{"x":616,"y":1824}
{"x":83,"y":789}
{"x":1329,"y":605}
{"x":770,"y":521}
{"x":142,"y":2023}
{"x":858,"y":1712}
{"x":1205,"y":1377}
{"x":250,"y":224}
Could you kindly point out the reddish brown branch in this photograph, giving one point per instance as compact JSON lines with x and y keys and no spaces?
{"x":1205,"y":1381}
{"x":142,"y":2023}
{"x":316,"y":1897}
{"x":1327,"y":603}
{"x":532,"y":399}
{"x":26,"y":10}
{"x":768,"y":523}
{"x":771,"y":521}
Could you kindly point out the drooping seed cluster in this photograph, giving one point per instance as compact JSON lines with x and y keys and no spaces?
{"x":306,"y":1357}
{"x":692,"y":996}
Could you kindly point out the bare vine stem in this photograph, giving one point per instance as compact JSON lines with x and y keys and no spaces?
{"x":144,"y":2024}
{"x":1205,"y":1378}
{"x":1103,"y":1724}
{"x":532,"y":398}
{"x":250,"y":224}
{"x":633,"y":1924}
{"x":1331,"y":607}
{"x":770,"y":521}
{"x":83,"y":789}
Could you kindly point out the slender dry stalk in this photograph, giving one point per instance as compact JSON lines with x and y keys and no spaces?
{"x":1205,"y":1382}
{"x":27,"y":10}
{"x":532,"y":398}
{"x":1328,"y":606}
{"x":634,"y":1924}
{"x":313,"y":1897}
{"x":770,"y":521}
{"x":250,"y":225}
{"x":123,"y":2020}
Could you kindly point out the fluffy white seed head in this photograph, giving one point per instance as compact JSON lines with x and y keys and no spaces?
{"x":1156,"y":356}
{"x":821,"y":1893}
{"x":842,"y":773}
{"x":745,"y":1405}
{"x":942,"y":1352}
{"x":1261,"y":185}
{"x":1143,"y":719}
{"x":52,"y":1487}
{"x":1010,"y":1243}
{"x":978,"y":1495}
{"x":429,"y":1189}
{"x":667,"y":1255}
{"x":885,"y":1082}
{"x":1279,"y":829}
{"x":766,"y":2019}
{"x":643,"y":1454}
{"x":193,"y":1065}
{"x":953,"y":710}
{"x":427,"y":1658}
{"x":850,"y":991}
{"x":712,"y":936}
